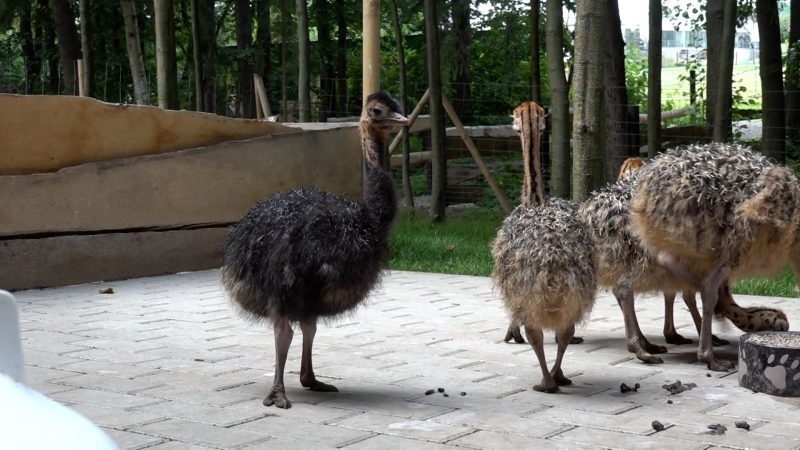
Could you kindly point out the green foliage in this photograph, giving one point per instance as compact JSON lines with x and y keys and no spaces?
{"x":636,"y":76}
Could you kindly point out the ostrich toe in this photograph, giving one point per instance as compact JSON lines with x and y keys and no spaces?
{"x":675,"y":338}
{"x":719,"y":365}
{"x":548,"y":387}
{"x":277,"y":397}
{"x":317,"y":386}
{"x":559,"y":378}
{"x":514,"y":333}
{"x":644,"y":350}
{"x":717,"y":342}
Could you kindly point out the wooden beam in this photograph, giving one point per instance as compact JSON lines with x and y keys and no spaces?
{"x":411,"y":118}
{"x":473,"y":149}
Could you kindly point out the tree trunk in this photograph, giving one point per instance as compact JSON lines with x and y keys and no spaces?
{"x":559,"y":107}
{"x":244,"y":36}
{"x":793,"y":81}
{"x":654,"y":81}
{"x":44,"y":17}
{"x":263,"y":39}
{"x":715,"y":12}
{"x":408,"y":194}
{"x":285,"y":22}
{"x":439,"y":159}
{"x":325,"y":48}
{"x":723,"y":101}
{"x":371,"y":63}
{"x":86,"y":48}
{"x":204,"y":54}
{"x":141,"y":91}
{"x":32,"y":65}
{"x":166,"y":64}
{"x":587,"y":127}
{"x":616,"y":94}
{"x":341,"y":55}
{"x":303,"y":50}
{"x":774,"y":131}
{"x":69,"y":49}
{"x":536,"y":75}
{"x":462,"y":92}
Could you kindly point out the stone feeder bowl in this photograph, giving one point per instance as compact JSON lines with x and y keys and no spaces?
{"x":769,"y":362}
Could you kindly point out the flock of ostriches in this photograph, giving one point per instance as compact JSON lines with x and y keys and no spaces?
{"x":693,"y":219}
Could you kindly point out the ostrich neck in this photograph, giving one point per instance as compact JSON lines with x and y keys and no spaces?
{"x":532,"y":189}
{"x":379,"y":192}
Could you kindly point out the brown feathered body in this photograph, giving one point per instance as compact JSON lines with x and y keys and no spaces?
{"x":719,"y":205}
{"x":544,"y":265}
{"x":620,"y":253}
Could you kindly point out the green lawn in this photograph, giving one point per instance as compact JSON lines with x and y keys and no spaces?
{"x":745,"y":78}
{"x":461,"y":245}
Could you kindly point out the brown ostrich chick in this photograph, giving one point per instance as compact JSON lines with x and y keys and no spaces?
{"x":543,"y":262}
{"x":717,"y":212}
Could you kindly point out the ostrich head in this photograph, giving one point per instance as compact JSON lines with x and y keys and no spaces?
{"x":381,"y":115}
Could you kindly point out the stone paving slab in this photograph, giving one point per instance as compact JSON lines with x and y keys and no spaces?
{"x":165,"y":363}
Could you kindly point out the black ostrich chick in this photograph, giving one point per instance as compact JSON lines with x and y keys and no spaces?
{"x":304,"y":254}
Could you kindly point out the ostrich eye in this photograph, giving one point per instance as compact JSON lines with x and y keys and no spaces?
{"x":377,"y":111}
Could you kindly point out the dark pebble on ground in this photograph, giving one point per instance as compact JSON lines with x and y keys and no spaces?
{"x":658,"y":426}
{"x":677,"y":387}
{"x":717,"y":429}
{"x":708,"y":375}
{"x":446,"y":395}
{"x":623,"y":388}
{"x":440,"y":390}
{"x":669,"y":402}
{"x":429,"y":392}
{"x":742,"y":424}
{"x":463,"y":394}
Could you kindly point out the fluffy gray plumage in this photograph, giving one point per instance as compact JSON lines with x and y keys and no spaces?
{"x":543,"y":265}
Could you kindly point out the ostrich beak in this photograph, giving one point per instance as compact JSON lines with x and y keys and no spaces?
{"x":396,"y":119}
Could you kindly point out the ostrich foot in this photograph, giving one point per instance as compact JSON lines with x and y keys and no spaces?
{"x":675,"y":338}
{"x":718,"y":342}
{"x":514,"y":333}
{"x":717,"y":365}
{"x":277,"y":397}
{"x":559,"y":378}
{"x":574,"y":340}
{"x":317,"y":386}
{"x":549,"y":386}
{"x":644,"y":351}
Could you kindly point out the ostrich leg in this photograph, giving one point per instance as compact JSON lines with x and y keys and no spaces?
{"x":514,"y":333}
{"x":691,"y":303}
{"x":307,"y":378}
{"x":283,"y":339}
{"x":637,"y":343}
{"x":564,"y":338}
{"x":711,"y":286}
{"x":536,"y":338}
{"x":670,"y":333}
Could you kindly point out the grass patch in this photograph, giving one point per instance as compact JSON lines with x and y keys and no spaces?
{"x":461,"y":245}
{"x":782,"y":285}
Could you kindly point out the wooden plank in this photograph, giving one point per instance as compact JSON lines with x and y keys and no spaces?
{"x":63,"y":260}
{"x":214,"y":184}
{"x":504,"y":205}
{"x":45,"y":133}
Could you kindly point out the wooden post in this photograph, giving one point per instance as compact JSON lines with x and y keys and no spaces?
{"x":262,"y":102}
{"x":81,"y":86}
{"x":473,"y":149}
{"x":371,"y":63}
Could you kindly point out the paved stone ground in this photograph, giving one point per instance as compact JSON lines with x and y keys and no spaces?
{"x":163,"y":363}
